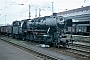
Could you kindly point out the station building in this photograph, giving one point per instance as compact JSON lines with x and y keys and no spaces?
{"x":79,"y":15}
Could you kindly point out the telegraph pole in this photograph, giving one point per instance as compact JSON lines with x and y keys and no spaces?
{"x":39,"y":12}
{"x":5,"y":19}
{"x":52,"y":7}
{"x":36,"y":12}
{"x":29,"y":11}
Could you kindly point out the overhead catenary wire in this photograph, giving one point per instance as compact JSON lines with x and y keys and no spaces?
{"x":21,"y":13}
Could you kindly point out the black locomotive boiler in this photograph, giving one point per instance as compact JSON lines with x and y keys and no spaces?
{"x":45,"y":30}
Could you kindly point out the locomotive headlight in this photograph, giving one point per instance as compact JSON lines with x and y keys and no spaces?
{"x":61,"y":21}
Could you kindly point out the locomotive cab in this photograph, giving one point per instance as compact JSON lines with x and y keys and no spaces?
{"x":16,"y":29}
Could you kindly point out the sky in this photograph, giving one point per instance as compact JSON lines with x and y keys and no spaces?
{"x":11,"y":10}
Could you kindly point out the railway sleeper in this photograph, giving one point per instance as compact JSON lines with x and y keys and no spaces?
{"x":79,"y":50}
{"x":39,"y":54}
{"x":79,"y":53}
{"x":79,"y":45}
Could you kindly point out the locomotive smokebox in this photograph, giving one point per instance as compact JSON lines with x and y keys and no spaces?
{"x":54,"y":14}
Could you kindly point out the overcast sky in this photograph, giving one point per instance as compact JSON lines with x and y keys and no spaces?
{"x":11,"y":10}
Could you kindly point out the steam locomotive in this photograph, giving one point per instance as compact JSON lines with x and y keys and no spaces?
{"x":47,"y":30}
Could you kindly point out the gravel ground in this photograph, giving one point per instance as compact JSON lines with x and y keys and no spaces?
{"x":56,"y":52}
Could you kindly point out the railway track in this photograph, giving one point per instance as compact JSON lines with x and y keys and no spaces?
{"x":83,"y":50}
{"x":81,"y":46}
{"x":36,"y":53}
{"x":72,"y":49}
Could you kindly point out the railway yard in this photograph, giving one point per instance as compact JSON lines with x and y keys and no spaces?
{"x":79,"y":50}
{"x":60,"y":34}
{"x":8,"y":52}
